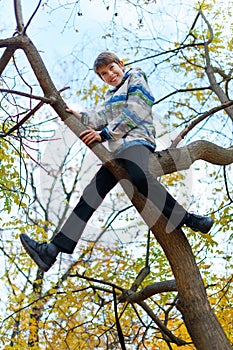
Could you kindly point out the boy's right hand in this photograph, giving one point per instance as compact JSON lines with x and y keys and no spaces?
{"x":76,"y":114}
{"x":90,"y":135}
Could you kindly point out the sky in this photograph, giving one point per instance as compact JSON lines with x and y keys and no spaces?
{"x":56,"y":32}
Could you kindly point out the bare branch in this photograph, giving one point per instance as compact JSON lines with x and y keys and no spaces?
{"x":160,"y":324}
{"x":32,"y":112}
{"x":210,"y":72}
{"x":211,"y":33}
{"x":196,"y":121}
{"x":20,"y":93}
{"x":19,"y":16}
{"x":226,"y":185}
{"x":181,"y":90}
{"x":147,"y":292}
{"x":175,"y":50}
{"x":90,"y":279}
{"x":13,"y":42}
{"x":4,"y":60}
{"x":17,"y":126}
{"x":140,"y":278}
{"x":30,"y":19}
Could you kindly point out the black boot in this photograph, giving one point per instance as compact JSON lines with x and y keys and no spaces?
{"x":198,"y":222}
{"x":44,"y":254}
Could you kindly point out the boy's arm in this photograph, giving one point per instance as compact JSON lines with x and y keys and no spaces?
{"x":88,"y":136}
{"x":136,"y":112}
{"x":93,"y":119}
{"x":76,"y":114}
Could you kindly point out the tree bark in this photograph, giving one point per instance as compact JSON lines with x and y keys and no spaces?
{"x":176,"y":159}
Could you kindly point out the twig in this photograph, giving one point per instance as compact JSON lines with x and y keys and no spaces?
{"x":161,"y":326}
{"x":33,"y":111}
{"x":118,"y":325}
{"x":226,"y":184}
{"x":20,"y":93}
{"x":17,"y":126}
{"x":90,"y":279}
{"x":30,"y":19}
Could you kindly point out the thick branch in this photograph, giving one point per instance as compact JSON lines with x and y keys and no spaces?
{"x":4,"y":60}
{"x":13,"y":42}
{"x":140,"y":278}
{"x":176,"y":159}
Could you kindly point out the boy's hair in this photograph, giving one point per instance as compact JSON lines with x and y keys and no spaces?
{"x":105,"y":58}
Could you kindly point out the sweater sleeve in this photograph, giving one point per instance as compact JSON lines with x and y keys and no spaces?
{"x":94,"y":118}
{"x":137,"y":110}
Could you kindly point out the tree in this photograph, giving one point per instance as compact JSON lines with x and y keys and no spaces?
{"x":200,"y":320}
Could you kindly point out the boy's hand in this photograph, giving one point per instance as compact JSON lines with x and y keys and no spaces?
{"x":76,"y":114}
{"x":90,"y":135}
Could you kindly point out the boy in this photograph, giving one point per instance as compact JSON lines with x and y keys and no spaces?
{"x":126,"y":124}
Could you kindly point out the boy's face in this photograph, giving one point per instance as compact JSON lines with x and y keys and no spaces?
{"x":112,"y":74}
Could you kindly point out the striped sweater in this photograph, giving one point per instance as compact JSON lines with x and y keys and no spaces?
{"x":126,"y":118}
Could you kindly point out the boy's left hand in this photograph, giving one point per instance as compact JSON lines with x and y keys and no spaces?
{"x":89,"y":136}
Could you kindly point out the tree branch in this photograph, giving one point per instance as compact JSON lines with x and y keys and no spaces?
{"x":13,"y":42}
{"x":140,"y":278}
{"x":24,"y":94}
{"x":19,"y":16}
{"x":91,"y":279}
{"x":30,"y":19}
{"x":181,"y":90}
{"x":160,"y":324}
{"x":27,"y":116}
{"x":210,"y":71}
{"x":32,"y":112}
{"x":196,"y":121}
{"x":6,"y":56}
{"x":147,"y":292}
{"x":176,"y":159}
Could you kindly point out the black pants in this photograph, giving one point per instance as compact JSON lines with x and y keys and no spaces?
{"x":135,"y":160}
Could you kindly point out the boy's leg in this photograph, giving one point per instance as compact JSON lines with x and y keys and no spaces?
{"x":44,"y":254}
{"x":136,"y":160}
{"x":92,"y":197}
